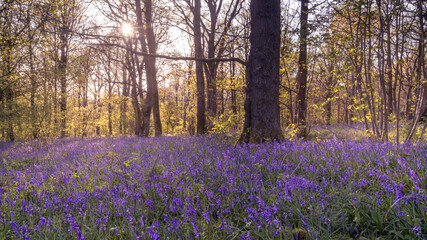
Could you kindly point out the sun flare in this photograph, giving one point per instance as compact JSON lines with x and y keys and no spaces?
{"x":127,"y":29}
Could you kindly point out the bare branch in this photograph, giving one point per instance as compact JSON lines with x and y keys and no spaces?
{"x":177,"y":57}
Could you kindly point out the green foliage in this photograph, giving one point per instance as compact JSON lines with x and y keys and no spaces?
{"x":224,"y":124}
{"x":290,"y":132}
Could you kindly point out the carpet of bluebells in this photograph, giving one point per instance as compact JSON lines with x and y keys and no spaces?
{"x":210,"y":188}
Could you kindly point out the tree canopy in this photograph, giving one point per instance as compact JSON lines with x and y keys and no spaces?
{"x":268,"y":69}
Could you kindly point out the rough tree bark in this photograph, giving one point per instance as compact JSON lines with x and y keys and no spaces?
{"x":262,"y":112}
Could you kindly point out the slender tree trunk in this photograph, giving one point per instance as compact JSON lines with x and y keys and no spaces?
{"x":421,"y":72}
{"x":110,"y":111}
{"x":55,"y":97}
{"x":148,"y":45}
{"x":34,"y":126}
{"x":368,"y":73}
{"x":125,"y":94}
{"x":110,"y":92}
{"x":408,"y":105}
{"x":384,"y":105}
{"x":62,"y":69}
{"x":211,"y":67}
{"x":9,"y":102}
{"x":346,"y":111}
{"x":46,"y":103}
{"x":330,"y":85}
{"x":233,"y":85}
{"x":302,"y":73}
{"x":398,"y":72}
{"x":398,"y":109}
{"x":186,"y":96}
{"x":329,"y":95}
{"x":291,"y":99}
{"x":148,"y":105}
{"x":351,"y":110}
{"x":151,"y":67}
{"x":223,"y":92}
{"x":358,"y":84}
{"x":9,"y":92}
{"x":389,"y":99}
{"x":216,"y":49}
{"x":85,"y":87}
{"x":131,"y":64}
{"x":200,"y":82}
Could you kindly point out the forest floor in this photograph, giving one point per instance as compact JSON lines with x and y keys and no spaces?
{"x":209,"y":188}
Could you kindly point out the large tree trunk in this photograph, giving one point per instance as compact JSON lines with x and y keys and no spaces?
{"x":302,"y":73}
{"x":262,"y":117}
{"x":200,"y":81}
